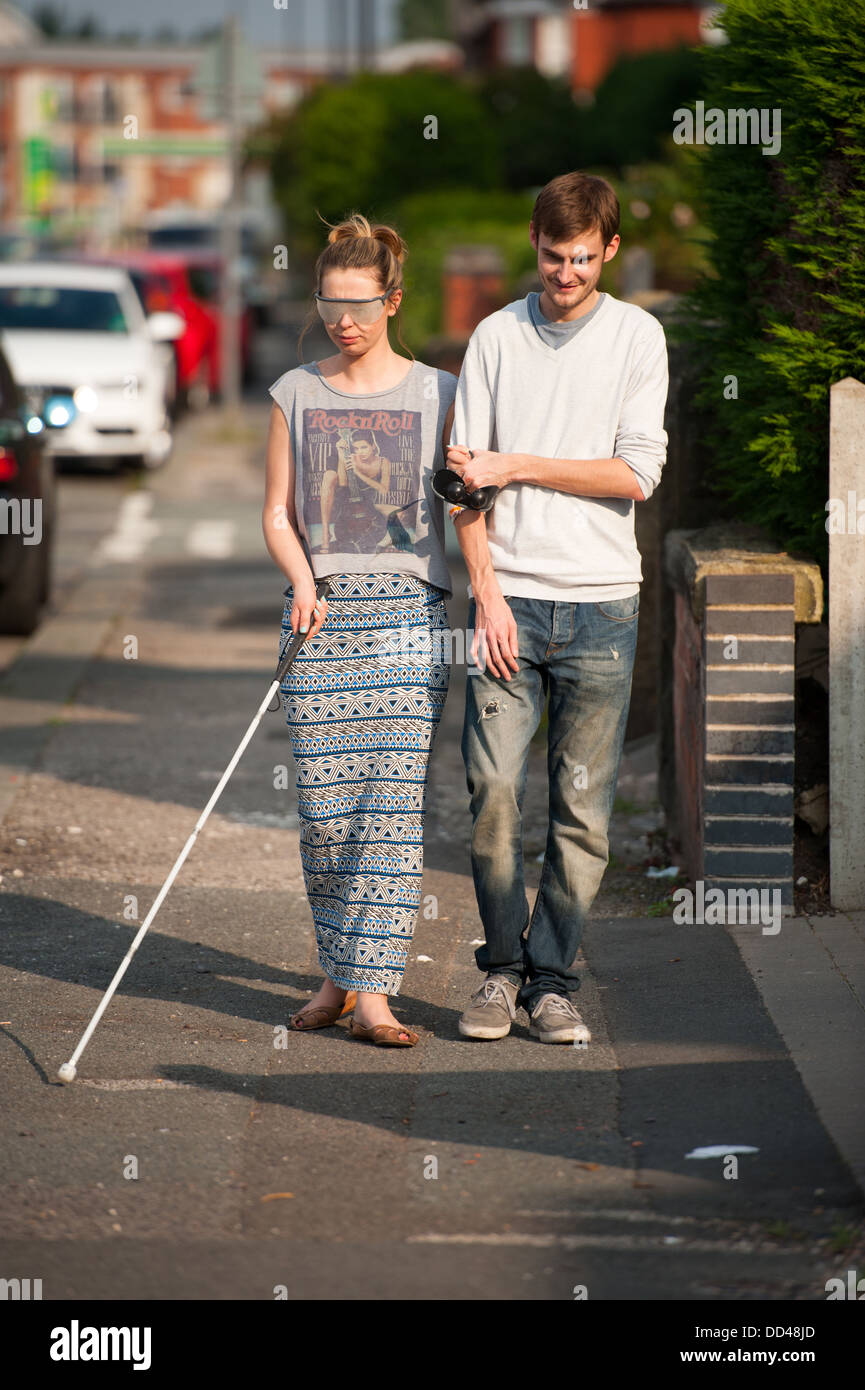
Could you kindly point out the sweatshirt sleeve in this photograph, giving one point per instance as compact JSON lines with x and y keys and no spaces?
{"x":641,"y":439}
{"x":474,"y":411}
{"x":474,"y":406}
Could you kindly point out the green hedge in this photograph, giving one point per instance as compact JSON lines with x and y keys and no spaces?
{"x":362,"y":145}
{"x":783,"y":309}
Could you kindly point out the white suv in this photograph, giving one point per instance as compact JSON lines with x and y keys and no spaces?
{"x":88,"y":360}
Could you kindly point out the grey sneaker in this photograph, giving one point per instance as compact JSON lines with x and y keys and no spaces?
{"x":555,"y":1020}
{"x":492,"y":1010}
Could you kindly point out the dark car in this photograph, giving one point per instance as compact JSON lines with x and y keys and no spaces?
{"x":27,"y":510}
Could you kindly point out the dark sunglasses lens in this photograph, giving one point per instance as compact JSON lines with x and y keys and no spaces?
{"x":482,"y":499}
{"x":449,"y":485}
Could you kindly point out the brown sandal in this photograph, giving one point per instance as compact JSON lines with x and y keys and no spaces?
{"x":322,"y":1016}
{"x":383,"y":1034}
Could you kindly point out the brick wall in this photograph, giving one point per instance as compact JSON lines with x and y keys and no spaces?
{"x":749,"y":637}
{"x":473,"y":286}
{"x":688,"y":733}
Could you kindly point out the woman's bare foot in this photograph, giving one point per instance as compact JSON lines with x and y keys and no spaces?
{"x":327,"y":997}
{"x":373,"y":1009}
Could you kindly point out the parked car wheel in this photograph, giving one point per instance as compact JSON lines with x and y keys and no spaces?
{"x":172,"y":390}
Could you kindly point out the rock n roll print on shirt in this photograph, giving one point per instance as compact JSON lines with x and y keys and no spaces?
{"x":362,"y":479}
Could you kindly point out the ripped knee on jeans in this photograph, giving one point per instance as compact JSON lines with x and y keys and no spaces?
{"x":492,"y":708}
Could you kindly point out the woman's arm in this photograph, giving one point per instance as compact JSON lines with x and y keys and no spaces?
{"x":279,"y":523}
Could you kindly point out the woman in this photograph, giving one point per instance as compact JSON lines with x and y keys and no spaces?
{"x":362,"y":703}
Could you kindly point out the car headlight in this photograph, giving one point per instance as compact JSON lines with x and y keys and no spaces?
{"x":59,"y":411}
{"x":85,"y":398}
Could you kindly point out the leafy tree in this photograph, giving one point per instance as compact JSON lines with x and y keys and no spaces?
{"x":50,"y":20}
{"x":362,"y":145}
{"x":543,"y":132}
{"x":536,"y":122}
{"x":632,"y":115}
{"x":783,"y":310}
{"x":55,"y":23}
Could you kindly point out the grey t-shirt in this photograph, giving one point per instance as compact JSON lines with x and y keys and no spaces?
{"x":363,"y":472}
{"x":558,"y":333}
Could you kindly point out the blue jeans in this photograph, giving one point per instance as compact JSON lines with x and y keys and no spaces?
{"x":582,"y":654}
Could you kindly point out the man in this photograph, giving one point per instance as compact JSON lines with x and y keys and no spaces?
{"x":560,"y":403}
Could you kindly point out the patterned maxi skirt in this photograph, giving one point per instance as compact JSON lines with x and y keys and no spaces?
{"x":362,"y":702}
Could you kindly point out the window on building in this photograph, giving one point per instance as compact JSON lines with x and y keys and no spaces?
{"x":63,"y":162}
{"x":517,"y":40}
{"x":57,"y":100}
{"x":99,"y":102}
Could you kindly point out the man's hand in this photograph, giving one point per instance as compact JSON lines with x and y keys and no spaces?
{"x":495,"y":633}
{"x":480,"y":467}
{"x":307,"y":612}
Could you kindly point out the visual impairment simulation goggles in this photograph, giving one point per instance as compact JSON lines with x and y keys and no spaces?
{"x":360,"y":311}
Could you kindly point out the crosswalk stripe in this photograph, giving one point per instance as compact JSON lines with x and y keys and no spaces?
{"x":213,"y":540}
{"x":133,"y":531}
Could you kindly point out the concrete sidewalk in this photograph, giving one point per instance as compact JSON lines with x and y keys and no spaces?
{"x":812,"y":983}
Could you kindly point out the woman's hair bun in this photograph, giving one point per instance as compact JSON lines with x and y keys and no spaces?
{"x":392,"y":240}
{"x":357,"y":227}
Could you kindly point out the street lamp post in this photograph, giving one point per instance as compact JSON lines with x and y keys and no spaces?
{"x":230,"y":232}
{"x":230,"y":84}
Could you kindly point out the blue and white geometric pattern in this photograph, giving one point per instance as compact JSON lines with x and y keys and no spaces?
{"x":362,"y":706}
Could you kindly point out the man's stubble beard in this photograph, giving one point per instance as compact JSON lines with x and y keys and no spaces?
{"x":586,"y":292}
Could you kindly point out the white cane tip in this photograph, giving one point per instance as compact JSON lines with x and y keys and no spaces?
{"x":67,"y":1073}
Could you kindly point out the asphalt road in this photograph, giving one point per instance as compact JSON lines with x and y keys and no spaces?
{"x":197,"y":1158}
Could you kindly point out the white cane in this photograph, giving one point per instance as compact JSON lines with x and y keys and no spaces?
{"x":69,"y":1069}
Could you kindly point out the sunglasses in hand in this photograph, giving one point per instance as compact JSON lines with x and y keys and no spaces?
{"x":450,"y":487}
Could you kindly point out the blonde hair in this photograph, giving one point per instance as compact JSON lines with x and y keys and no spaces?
{"x":354,"y":244}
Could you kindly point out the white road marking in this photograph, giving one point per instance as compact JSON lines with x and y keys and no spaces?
{"x":544,"y":1242}
{"x":213,"y":540}
{"x":133,"y":531}
{"x":721,"y":1150}
{"x":614,"y":1214}
{"x":145,"y":1084}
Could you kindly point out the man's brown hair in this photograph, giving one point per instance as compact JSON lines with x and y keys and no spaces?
{"x":574,"y":203}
